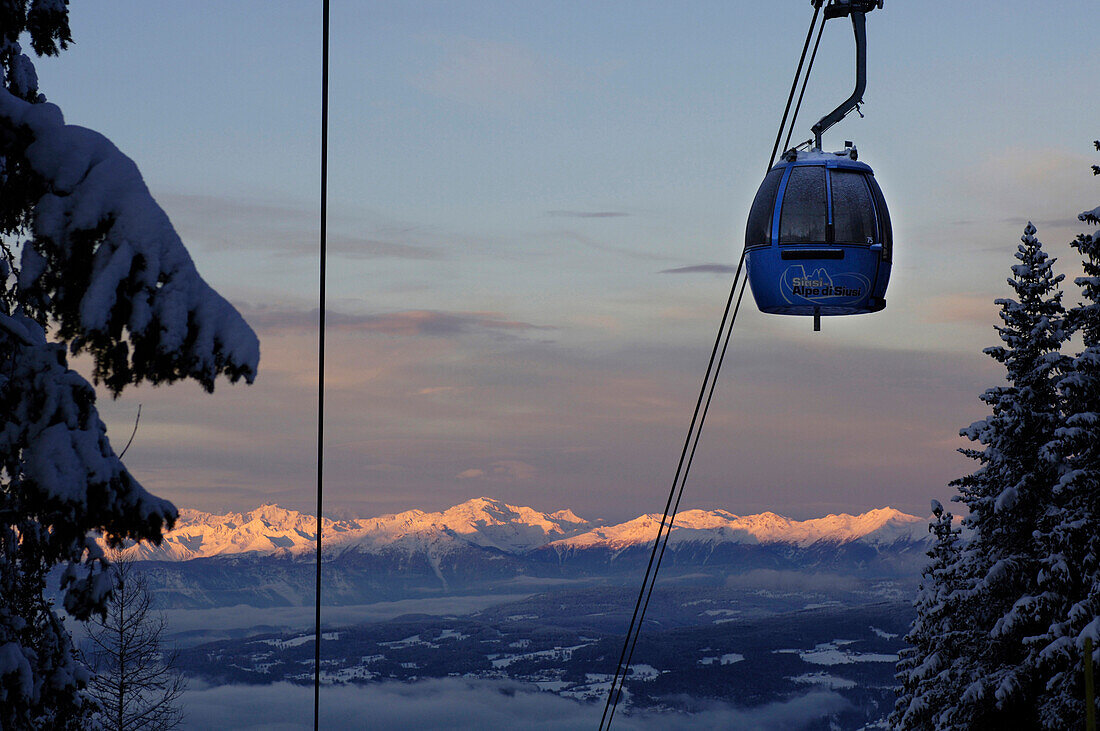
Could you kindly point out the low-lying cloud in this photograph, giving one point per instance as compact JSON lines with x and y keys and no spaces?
{"x":453,"y":703}
{"x":189,"y":627}
{"x":793,"y":581}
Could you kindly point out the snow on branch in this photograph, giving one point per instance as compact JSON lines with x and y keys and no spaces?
{"x":61,"y":467}
{"x":106,"y":264}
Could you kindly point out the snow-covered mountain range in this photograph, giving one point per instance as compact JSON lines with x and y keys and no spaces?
{"x":491,"y":524}
{"x":264,"y":557}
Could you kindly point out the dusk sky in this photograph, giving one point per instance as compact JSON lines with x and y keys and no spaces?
{"x":513,"y":188}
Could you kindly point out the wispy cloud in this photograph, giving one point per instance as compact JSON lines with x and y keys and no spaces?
{"x":433,"y":390}
{"x":993,"y":186}
{"x":416,"y":408}
{"x":505,"y":470}
{"x":1040,"y":224}
{"x":352,"y":247}
{"x":701,"y":269}
{"x":959,"y":307}
{"x":289,"y":230}
{"x":626,"y":251}
{"x":481,"y":71}
{"x":587,"y":214}
{"x":407,"y":323}
{"x":513,"y":470}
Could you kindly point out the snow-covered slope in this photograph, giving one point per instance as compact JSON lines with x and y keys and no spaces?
{"x":488,"y":523}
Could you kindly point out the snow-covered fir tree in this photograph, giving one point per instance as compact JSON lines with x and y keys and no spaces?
{"x":928,"y":684}
{"x":1070,"y":538}
{"x":990,"y":590}
{"x":88,"y":263}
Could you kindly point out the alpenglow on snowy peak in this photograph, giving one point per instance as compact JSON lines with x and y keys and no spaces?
{"x":493,"y":524}
{"x":880,"y":526}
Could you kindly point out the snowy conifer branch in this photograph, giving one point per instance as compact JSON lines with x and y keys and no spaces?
{"x":106,"y":264}
{"x":60,"y":467}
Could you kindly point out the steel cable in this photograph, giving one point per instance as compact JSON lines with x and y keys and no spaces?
{"x":680,"y":493}
{"x":805,"y":81}
{"x":702,"y":407}
{"x":321,"y":360}
{"x":794,"y":84}
{"x":635,"y":619}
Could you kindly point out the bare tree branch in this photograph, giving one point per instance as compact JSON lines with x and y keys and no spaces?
{"x":132,"y":434}
{"x":136,"y":682}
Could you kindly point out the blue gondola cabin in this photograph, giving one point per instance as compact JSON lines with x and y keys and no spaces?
{"x":818,"y":239}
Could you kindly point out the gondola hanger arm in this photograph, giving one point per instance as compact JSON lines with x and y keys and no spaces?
{"x":842,"y":8}
{"x":857,"y":10}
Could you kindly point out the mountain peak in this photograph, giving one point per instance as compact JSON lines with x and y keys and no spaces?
{"x":272,"y":513}
{"x":567,"y":516}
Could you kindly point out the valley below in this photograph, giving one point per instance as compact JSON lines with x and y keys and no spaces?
{"x":750,"y":613}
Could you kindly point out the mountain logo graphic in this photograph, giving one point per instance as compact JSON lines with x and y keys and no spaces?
{"x":821,"y":286}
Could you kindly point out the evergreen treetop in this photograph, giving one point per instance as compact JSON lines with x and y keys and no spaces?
{"x":996,"y":595}
{"x":1005,"y":615}
{"x":1070,"y":538}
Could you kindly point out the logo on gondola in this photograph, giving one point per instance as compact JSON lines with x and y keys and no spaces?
{"x":796,"y":284}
